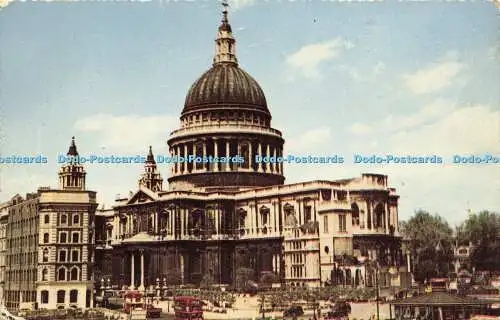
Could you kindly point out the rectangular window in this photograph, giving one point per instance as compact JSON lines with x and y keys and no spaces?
{"x":325,"y":224}
{"x":307,"y":213}
{"x":342,"y":223}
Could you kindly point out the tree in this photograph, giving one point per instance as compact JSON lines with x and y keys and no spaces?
{"x":430,"y":243}
{"x":483,"y":231}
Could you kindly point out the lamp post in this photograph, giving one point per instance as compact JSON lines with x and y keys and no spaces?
{"x":158,"y":288}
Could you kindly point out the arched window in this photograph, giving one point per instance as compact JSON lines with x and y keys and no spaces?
{"x":74,"y":274}
{"x":264,"y":212}
{"x":46,"y":219}
{"x":62,"y":237}
{"x":61,"y":295}
{"x":45,"y":274}
{"x":45,"y":238}
{"x":355,"y":214}
{"x":76,"y":219}
{"x":64,"y":219}
{"x":379,"y":216}
{"x":61,"y":274}
{"x":73,"y":296}
{"x":45,"y":256}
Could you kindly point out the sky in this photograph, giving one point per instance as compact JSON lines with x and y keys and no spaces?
{"x":341,"y":78}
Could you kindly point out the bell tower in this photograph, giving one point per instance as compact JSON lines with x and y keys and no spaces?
{"x":72,"y":175}
{"x":151,"y":178}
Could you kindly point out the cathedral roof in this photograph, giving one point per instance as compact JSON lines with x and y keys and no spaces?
{"x":225,"y":84}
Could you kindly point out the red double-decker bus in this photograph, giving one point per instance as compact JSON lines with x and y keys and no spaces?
{"x":188,"y":308}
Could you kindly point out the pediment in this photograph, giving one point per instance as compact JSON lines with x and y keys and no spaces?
{"x":142,"y":195}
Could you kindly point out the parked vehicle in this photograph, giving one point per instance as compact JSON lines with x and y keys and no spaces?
{"x":188,"y":308}
{"x":135,"y":300}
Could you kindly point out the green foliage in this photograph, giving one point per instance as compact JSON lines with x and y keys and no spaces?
{"x":483,"y":230}
{"x":430,"y":242}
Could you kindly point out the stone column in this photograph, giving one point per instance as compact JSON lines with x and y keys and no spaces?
{"x":156,"y":222}
{"x":204,"y":155}
{"x":250,"y":155}
{"x":141,"y":285}
{"x":216,"y":154}
{"x":268,"y":155}
{"x":181,"y":214}
{"x":274,"y":164}
{"x":175,"y":213}
{"x":132,"y":271}
{"x":216,"y":212}
{"x":281,"y":164}
{"x":178,"y":164}
{"x":228,"y":164}
{"x":185,"y":169}
{"x":193,"y":164}
{"x":259,"y":151}
{"x":387,"y":218}
{"x":408,"y":263}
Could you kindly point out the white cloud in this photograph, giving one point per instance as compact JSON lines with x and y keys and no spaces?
{"x":308,"y":58}
{"x":239,"y":4}
{"x":379,"y":68}
{"x":441,"y":129}
{"x":401,"y":123}
{"x":468,"y":129}
{"x":309,"y":141}
{"x":360,"y":128}
{"x":4,"y":3}
{"x":128,"y":133}
{"x":356,"y":74}
{"x":434,"y":77}
{"x":427,"y":114}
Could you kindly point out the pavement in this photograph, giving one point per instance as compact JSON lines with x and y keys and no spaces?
{"x":248,"y":308}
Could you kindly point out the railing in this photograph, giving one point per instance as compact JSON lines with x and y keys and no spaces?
{"x":224,"y":128}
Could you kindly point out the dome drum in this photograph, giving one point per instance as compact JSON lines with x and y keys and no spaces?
{"x":225,"y":116}
{"x":228,"y":180}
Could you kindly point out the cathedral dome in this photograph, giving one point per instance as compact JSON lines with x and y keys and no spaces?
{"x":225,"y":85}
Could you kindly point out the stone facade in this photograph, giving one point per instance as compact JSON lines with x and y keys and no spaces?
{"x":217,"y":218}
{"x":21,"y":258}
{"x":4,"y":215}
{"x":50,"y":244}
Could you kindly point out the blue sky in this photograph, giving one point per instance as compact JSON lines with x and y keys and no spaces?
{"x":409,"y":78}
